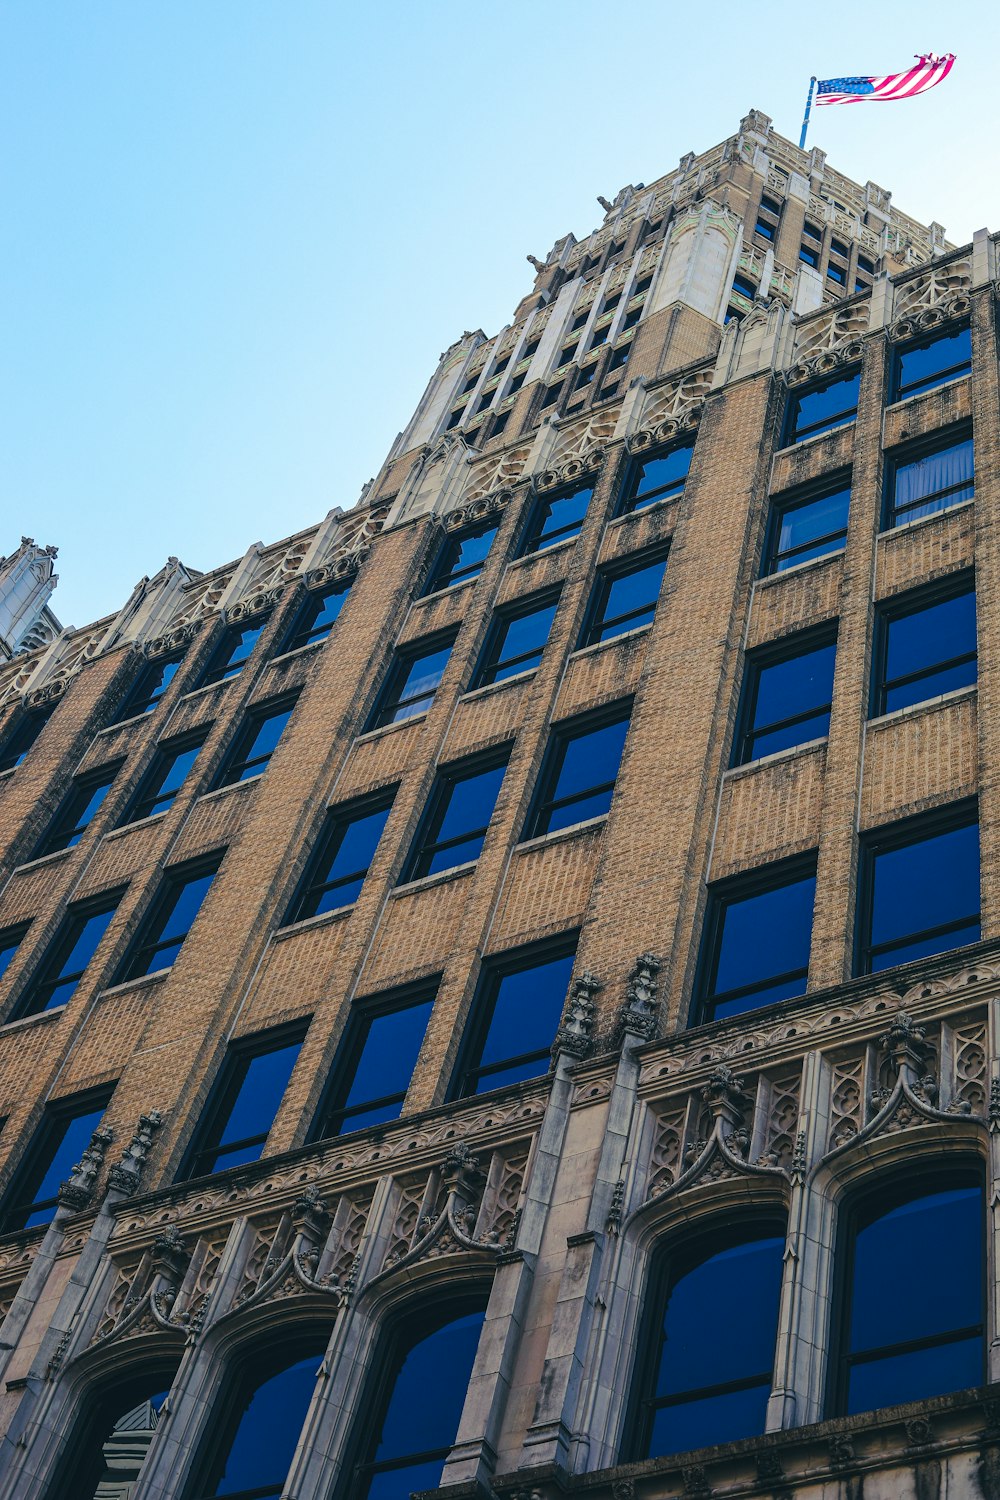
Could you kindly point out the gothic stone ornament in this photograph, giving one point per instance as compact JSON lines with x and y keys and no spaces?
{"x":77,"y":1191}
{"x":255,"y":604}
{"x":174,"y":640}
{"x":480,"y":509}
{"x":126,"y":1175}
{"x":576,"y":1032}
{"x":293,"y":1257}
{"x":451,"y":1229}
{"x":640,"y":1012}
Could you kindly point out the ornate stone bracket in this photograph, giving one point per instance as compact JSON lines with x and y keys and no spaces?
{"x":574,"y":468}
{"x":576,"y":1030}
{"x":826,"y":361}
{"x":295,"y":1270}
{"x":174,"y":640}
{"x":478,"y":510}
{"x":639,"y":1015}
{"x":78,"y":1189}
{"x":149,"y":1306}
{"x":126,"y":1175}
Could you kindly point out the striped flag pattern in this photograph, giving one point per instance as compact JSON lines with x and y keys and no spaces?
{"x":925,"y":73}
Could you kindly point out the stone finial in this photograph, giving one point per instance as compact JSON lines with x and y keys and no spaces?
{"x":575,"y":1034}
{"x":170,"y":1255}
{"x":78,"y":1189}
{"x":310,"y":1214}
{"x":126,"y":1175}
{"x":461,"y":1172}
{"x":640,"y":1012}
{"x":723,"y":1093}
{"x":906,"y":1045}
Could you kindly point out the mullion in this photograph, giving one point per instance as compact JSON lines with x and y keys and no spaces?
{"x":830,"y":536}
{"x":928,"y":382}
{"x":757,"y":731}
{"x":387,"y":1465}
{"x":720,"y":997}
{"x":826,"y":423}
{"x":215,"y":1153}
{"x":941,"y":930}
{"x":705,"y":1392}
{"x":320,"y":887}
{"x":511,"y":661}
{"x":430,"y":849}
{"x":507,"y":1063}
{"x":930,"y":671}
{"x":366,"y":1107}
{"x":553,"y":804}
{"x":949,"y":489}
{"x":606,"y":621}
{"x":912,"y":1346}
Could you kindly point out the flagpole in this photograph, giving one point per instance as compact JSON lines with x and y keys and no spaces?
{"x":805,"y":122}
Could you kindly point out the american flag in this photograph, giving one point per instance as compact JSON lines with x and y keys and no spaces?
{"x":925,"y":73}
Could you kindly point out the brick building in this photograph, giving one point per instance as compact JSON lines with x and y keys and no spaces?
{"x":499,"y":989}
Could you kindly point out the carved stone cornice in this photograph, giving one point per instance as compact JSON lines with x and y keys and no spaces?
{"x":826,"y":362}
{"x":177,"y":639}
{"x":254,"y":604}
{"x":924,"y":320}
{"x":480,"y":509}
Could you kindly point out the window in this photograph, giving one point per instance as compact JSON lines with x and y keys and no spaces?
{"x":805,"y":528}
{"x":244,"y":1102}
{"x":924,"y":646}
{"x":415,"y":1414}
{"x":169,"y":920}
{"x":413,"y":680}
{"x":930,"y":480}
{"x":517,"y":382}
{"x":501,"y":365}
{"x":812,"y":230}
{"x":757,"y":934}
{"x":909,"y":1346}
{"x":866,"y":266}
{"x":733,"y":315}
{"x":518,"y":1006}
{"x":836,"y":273}
{"x":458,"y":816}
{"x":838,"y":247}
{"x":565,"y":356}
{"x":643,"y":284}
{"x":231,"y":654}
{"x":919,"y":890}
{"x":150,"y":686}
{"x":454,"y":417}
{"x":809,"y":255}
{"x":78,"y":810}
{"x":531,"y":349}
{"x":167,"y":773}
{"x":551,"y":395}
{"x":624,"y":599}
{"x":251,"y":750}
{"x":659,"y":476}
{"x":600,"y":336}
{"x":375,"y":1061}
{"x":585,"y":376}
{"x":254,"y":1437}
{"x":517,"y":639}
{"x":926,"y":363}
{"x":611,"y":302}
{"x":113,"y":1431}
{"x":26,"y":729}
{"x":786,"y":698}
{"x":58,"y":1143}
{"x":10,"y":941}
{"x":470,"y":384}
{"x":579,"y":772}
{"x":619,"y":357}
{"x":500,"y":423}
{"x":767,"y":218}
{"x":579,"y":320}
{"x":557,"y":517}
{"x":66,"y":959}
{"x":630,"y":319}
{"x":485,"y":400}
{"x":316,"y":617}
{"x":336,"y":872}
{"x":745,"y":287}
{"x":818,"y":408}
{"x":705,"y":1374}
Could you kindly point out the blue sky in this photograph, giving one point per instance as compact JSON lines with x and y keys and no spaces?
{"x":238,"y":233}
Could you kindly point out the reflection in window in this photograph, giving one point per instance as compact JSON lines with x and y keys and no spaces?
{"x":112,"y":1438}
{"x":59,"y":1142}
{"x":624,"y":599}
{"x":150,"y":686}
{"x":10,"y":941}
{"x":65,"y":963}
{"x":660,"y":476}
{"x":458,"y":816}
{"x":245,"y":1102}
{"x":233,"y":650}
{"x":758,"y":930}
{"x":915,"y":1343}
{"x":712,"y":1355}
{"x":27,"y":727}
{"x":166,"y":775}
{"x":78,"y":810}
{"x":919,"y":889}
{"x":251,"y":750}
{"x":807,"y":528}
{"x":578,"y":774}
{"x":557,"y":518}
{"x":922,"y":365}
{"x":516,"y":640}
{"x":923,"y":485}
{"x":170,"y":919}
{"x":417,"y":1419}
{"x":413,"y":680}
{"x":515,"y":1017}
{"x":337,"y":870}
{"x":924,"y":649}
{"x":819,"y":408}
{"x":463,"y":556}
{"x":375,"y":1063}
{"x":787,"y":693}
{"x":316,"y":617}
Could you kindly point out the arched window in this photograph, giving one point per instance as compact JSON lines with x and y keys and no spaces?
{"x":709,"y":1356}
{"x":256,"y":1432}
{"x":417,"y":1406}
{"x":111,"y":1437}
{"x":913,"y":1312}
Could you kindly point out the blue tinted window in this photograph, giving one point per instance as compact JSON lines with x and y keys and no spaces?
{"x":658,"y":477}
{"x":823,"y":407}
{"x":758,"y":938}
{"x":520,"y":1013}
{"x":373,"y":1073}
{"x":411,"y":685}
{"x":150,"y":686}
{"x":454,"y":830}
{"x":932,"y":361}
{"x":715,"y":1351}
{"x":78,"y":810}
{"x":168,"y":924}
{"x":786,"y":702}
{"x":578,"y":780}
{"x":625,"y":601}
{"x":516,"y":643}
{"x":342,"y":860}
{"x":167,"y":774}
{"x":463,"y":556}
{"x":27,"y":728}
{"x":923,"y":486}
{"x":317,"y":617}
{"x":10,"y":941}
{"x":910,"y":1346}
{"x":418,"y":1421}
{"x":927,"y":651}
{"x":259,"y":1454}
{"x":67,"y":959}
{"x":557,"y":518}
{"x":809,"y":529}
{"x":234,"y":648}
{"x":922,"y":896}
{"x":255,"y":744}
{"x":61,"y":1140}
{"x":252,"y":1086}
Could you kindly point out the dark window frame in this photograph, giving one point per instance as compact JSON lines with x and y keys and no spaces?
{"x":237,"y":757}
{"x":785,"y":648}
{"x":173,"y":878}
{"x":387,"y":700}
{"x":446,"y":777}
{"x":333,"y":1110}
{"x":899,"y":606}
{"x":723,"y":894}
{"x":910,"y":452}
{"x":216,"y":669}
{"x":225,"y":1091}
{"x":67,"y":1107}
{"x":532,"y":533}
{"x":494,"y":968}
{"x":298,"y":636}
{"x":11,"y":938}
{"x":887,"y":838}
{"x":628,"y":496}
{"x":59,"y":835}
{"x":796,"y":499}
{"x":143,"y":803}
{"x":11,"y":755}
{"x":337,"y":819}
{"x":943,"y":377}
{"x":607,"y":576}
{"x":516,"y":609}
{"x":135,"y":705}
{"x":47,"y":976}
{"x":791,"y":436}
{"x":544,"y":801}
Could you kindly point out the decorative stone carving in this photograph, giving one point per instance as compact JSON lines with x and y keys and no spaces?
{"x":254,"y":604}
{"x":613,"y":1222}
{"x":177,"y":639}
{"x":575,"y":1035}
{"x":126,"y":1175}
{"x":478,"y":510}
{"x":580,"y":448}
{"x":666,"y":1162}
{"x":78,"y":1189}
{"x":671,"y":410}
{"x":202,"y":598}
{"x":640,"y":1012}
{"x":942,"y":289}
{"x":496,"y":473}
{"x":351,"y":544}
{"x":970,"y":1065}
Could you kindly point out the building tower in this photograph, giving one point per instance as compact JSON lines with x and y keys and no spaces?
{"x":500,"y":989}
